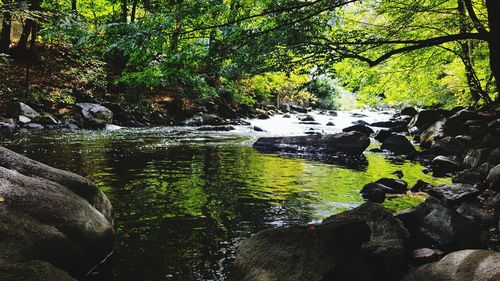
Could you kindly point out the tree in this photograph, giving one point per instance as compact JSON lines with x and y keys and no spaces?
{"x":6,"y":28}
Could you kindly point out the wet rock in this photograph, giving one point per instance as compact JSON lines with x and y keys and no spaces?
{"x":23,"y":119}
{"x":263,"y":116}
{"x":330,"y":124}
{"x":474,"y":210}
{"x":444,"y":164}
{"x":493,"y":178}
{"x":475,"y":157}
{"x":19,"y":108}
{"x":494,"y":157}
{"x":398,"y":144}
{"x":52,"y":215}
{"x":309,"y":123}
{"x":425,"y":255}
{"x":33,"y":126}
{"x":32,"y":271}
{"x":466,"y":265}
{"x":471,"y":176}
{"x":359,"y":128}
{"x":375,"y":192}
{"x":431,"y":224}
{"x":221,"y":128}
{"x":298,"y":109}
{"x":388,"y":124}
{"x":287,"y":115}
{"x":398,"y":174}
{"x":385,"y":252}
{"x":426,"y":117}
{"x":490,"y":140}
{"x":285,"y":108}
{"x":306,"y":118}
{"x":465,"y":115}
{"x":360,"y":122}
{"x":330,"y":251}
{"x":352,"y":143}
{"x":7,"y":125}
{"x":332,"y":113}
{"x":398,"y":186}
{"x":421,"y":186}
{"x":95,"y":116}
{"x":382,"y":135}
{"x":46,"y":119}
{"x":440,"y":130}
{"x":454,"y":193}
{"x":409,"y":111}
{"x":258,"y":129}
{"x":451,"y":145}
{"x":359,"y":115}
{"x":205,"y":119}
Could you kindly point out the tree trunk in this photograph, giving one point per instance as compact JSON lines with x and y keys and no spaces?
{"x":6,"y":30}
{"x":124,"y":11}
{"x":73,"y":7}
{"x":134,"y":8}
{"x":493,"y":7}
{"x":23,"y":40}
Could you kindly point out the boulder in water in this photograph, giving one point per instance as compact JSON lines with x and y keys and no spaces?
{"x":95,"y":116}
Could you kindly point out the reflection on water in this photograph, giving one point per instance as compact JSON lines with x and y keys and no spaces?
{"x":184,"y":199}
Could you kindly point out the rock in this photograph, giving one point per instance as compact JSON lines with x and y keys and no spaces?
{"x":398,"y":186}
{"x":7,"y":125}
{"x":263,"y":116}
{"x":375,"y":192}
{"x":32,"y":271}
{"x":23,"y":119}
{"x":490,"y":140}
{"x":432,"y":224}
{"x":205,"y":119}
{"x":471,"y":176}
{"x":475,"y":157}
{"x":285,"y":108}
{"x":465,"y":115}
{"x":95,"y":116}
{"x":359,"y":115}
{"x":221,"y":128}
{"x":19,"y":108}
{"x":359,"y":128}
{"x":330,"y":251}
{"x":385,"y":252}
{"x":298,"y":109}
{"x":330,"y":124}
{"x":352,"y":143}
{"x":399,"y":145}
{"x":420,"y":186}
{"x":425,"y":255}
{"x":440,"y":130}
{"x":387,"y":124}
{"x":309,"y":123}
{"x":426,"y":117}
{"x":493,"y":178}
{"x":398,"y":174}
{"x":445,"y":164}
{"x":332,"y":113}
{"x":360,"y":122}
{"x":306,"y":118}
{"x":258,"y":129}
{"x":475,"y":211}
{"x":287,"y":115}
{"x":466,"y":265}
{"x":494,"y":157}
{"x":451,"y":145}
{"x":46,"y":119}
{"x":52,"y":215}
{"x":33,"y":126}
{"x":454,"y":193}
{"x":382,"y":135}
{"x":409,"y":111}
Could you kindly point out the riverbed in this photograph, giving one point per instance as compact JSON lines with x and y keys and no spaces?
{"x":183,"y":199}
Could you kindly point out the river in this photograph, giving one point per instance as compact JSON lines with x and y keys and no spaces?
{"x":183,"y":199}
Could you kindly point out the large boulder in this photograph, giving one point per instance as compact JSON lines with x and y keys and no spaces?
{"x":466,"y":265}
{"x":493,"y":178}
{"x":351,"y":143}
{"x":398,"y":144}
{"x":32,"y":271}
{"x":454,"y":193}
{"x":385,"y":252}
{"x":476,"y":156}
{"x":433,"y":224}
{"x":426,"y":118}
{"x":21,"y":109}
{"x":330,"y":251}
{"x":51,"y":215}
{"x":359,"y":128}
{"x":205,"y":119}
{"x":441,"y":129}
{"x":95,"y":116}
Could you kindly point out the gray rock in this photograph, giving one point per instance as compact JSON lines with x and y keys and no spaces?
{"x":375,"y":192}
{"x":476,"y":156}
{"x":425,"y":255}
{"x":33,"y":126}
{"x":330,"y":251}
{"x":494,"y":157}
{"x":451,"y":145}
{"x":352,"y":143}
{"x":398,"y":186}
{"x":258,"y":129}
{"x":205,"y":119}
{"x":46,"y":119}
{"x":446,"y":164}
{"x":426,"y":117}
{"x":454,"y":193}
{"x":493,"y":178}
{"x":386,"y":249}
{"x":221,"y":128}
{"x":432,"y":224}
{"x":466,"y":265}
{"x":23,"y":109}
{"x":95,"y":116}
{"x":52,"y":215}
{"x":306,"y":118}
{"x":330,"y":124}
{"x":359,"y":128}
{"x":32,"y":271}
{"x":399,"y":145}
{"x":298,"y":109}
{"x":23,"y":119}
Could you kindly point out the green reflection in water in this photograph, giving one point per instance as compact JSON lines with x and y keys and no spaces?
{"x":182,"y":200}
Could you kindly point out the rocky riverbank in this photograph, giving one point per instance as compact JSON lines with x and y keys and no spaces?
{"x":54,"y":225}
{"x":451,"y":236}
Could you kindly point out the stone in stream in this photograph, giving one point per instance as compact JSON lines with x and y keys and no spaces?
{"x":398,"y":144}
{"x":398,"y":186}
{"x":382,"y":135}
{"x":205,"y":119}
{"x":95,"y":116}
{"x":443,"y":164}
{"x":258,"y":129}
{"x":359,"y":128}
{"x":387,"y":124}
{"x":421,"y":186}
{"x":451,"y":145}
{"x":493,"y":178}
{"x":51,"y":215}
{"x":298,"y":109}
{"x":466,"y":265}
{"x":330,"y":251}
{"x":221,"y":128}
{"x":433,"y":224}
{"x":426,"y":117}
{"x":409,"y":111}
{"x":350,"y":143}
{"x":454,"y":193}
{"x":306,"y":118}
{"x":21,"y":109}
{"x":386,"y":250}
{"x":330,"y":124}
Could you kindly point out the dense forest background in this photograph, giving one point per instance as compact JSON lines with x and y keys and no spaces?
{"x":171,"y":55}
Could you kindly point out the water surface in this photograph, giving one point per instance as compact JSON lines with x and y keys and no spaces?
{"x":183,"y":199}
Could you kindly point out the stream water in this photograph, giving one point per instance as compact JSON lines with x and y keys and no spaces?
{"x":183,"y":199}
